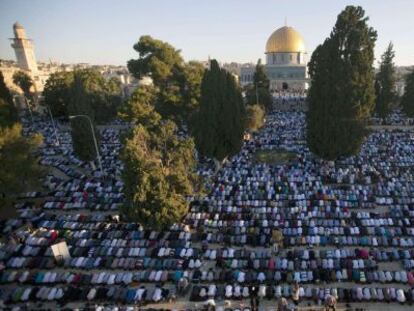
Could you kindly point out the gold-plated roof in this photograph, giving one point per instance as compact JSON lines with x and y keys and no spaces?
{"x":285,"y":40}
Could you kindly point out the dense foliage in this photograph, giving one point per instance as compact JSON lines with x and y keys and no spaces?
{"x":177,"y":83}
{"x":8,"y":111}
{"x":19,"y":170}
{"x":24,"y":82}
{"x":385,"y":83}
{"x":258,"y":92}
{"x":82,"y":136}
{"x":56,"y":92}
{"x":219,"y":126}
{"x":407,"y":100}
{"x":342,"y":95}
{"x":103,"y":96}
{"x":159,"y":165}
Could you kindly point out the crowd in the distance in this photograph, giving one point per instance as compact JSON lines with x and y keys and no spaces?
{"x":343,"y":229}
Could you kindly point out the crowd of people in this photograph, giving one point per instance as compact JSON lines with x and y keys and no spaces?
{"x":304,"y":230}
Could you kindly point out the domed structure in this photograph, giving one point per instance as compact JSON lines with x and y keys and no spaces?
{"x":285,"y":40}
{"x":285,"y":62}
{"x":17,"y":25}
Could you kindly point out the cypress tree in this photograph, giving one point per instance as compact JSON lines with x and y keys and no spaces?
{"x":341,"y":96}
{"x":407,"y":101}
{"x":385,"y":83}
{"x":220,"y":122}
{"x":82,"y":137}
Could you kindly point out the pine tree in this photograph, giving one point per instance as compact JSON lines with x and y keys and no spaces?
{"x":407,"y":101}
{"x":342,"y":95}
{"x":385,"y":83}
{"x":220,"y":122}
{"x":260,"y":77}
{"x":82,"y":137}
{"x":177,"y":82}
{"x":258,"y":92}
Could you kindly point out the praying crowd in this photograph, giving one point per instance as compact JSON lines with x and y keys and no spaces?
{"x":306,"y":231}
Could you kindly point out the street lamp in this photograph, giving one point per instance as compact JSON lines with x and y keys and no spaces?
{"x":54,"y":125}
{"x":93,"y":135}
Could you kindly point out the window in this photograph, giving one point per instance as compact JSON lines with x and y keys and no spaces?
{"x":290,"y":57}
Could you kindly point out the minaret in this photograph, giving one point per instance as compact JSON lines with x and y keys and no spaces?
{"x":24,"y":50}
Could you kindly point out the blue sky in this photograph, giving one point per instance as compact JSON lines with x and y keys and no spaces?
{"x":103,"y":31}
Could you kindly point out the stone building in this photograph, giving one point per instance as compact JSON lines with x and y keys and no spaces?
{"x":286,"y":61}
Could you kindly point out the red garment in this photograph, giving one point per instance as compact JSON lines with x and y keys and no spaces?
{"x":364,"y":254}
{"x":271,"y":264}
{"x":410,"y":278}
{"x":53,"y":235}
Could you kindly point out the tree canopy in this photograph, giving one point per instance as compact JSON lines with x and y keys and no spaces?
{"x":56,"y":92}
{"x":8,"y":111}
{"x":18,"y":164}
{"x":220,"y":121}
{"x":385,"y":83}
{"x":258,"y":92}
{"x":177,"y":83}
{"x":24,"y":82}
{"x":407,"y":101}
{"x":82,"y":136}
{"x":342,"y":95}
{"x":103,"y":96}
{"x":159,"y":165}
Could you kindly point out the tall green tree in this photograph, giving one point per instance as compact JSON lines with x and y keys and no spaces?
{"x":258,"y":93}
{"x":221,"y":117}
{"x":24,"y":82}
{"x":140,"y":108}
{"x":82,"y":135}
{"x":8,"y":111}
{"x":385,"y":83}
{"x":159,"y":166}
{"x":342,"y":94}
{"x":19,"y":170}
{"x":104,"y":96}
{"x":407,"y":101}
{"x":56,"y":92}
{"x":176,"y":82}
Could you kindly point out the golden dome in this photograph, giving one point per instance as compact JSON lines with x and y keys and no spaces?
{"x":285,"y":40}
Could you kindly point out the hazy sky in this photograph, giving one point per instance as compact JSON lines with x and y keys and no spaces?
{"x":103,"y":31}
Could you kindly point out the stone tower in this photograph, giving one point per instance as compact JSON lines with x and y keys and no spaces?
{"x":24,"y":50}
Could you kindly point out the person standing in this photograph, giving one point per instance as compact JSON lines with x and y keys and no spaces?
{"x":282,"y":304}
{"x":330,"y":303}
{"x":254,"y":299}
{"x":295,"y":293}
